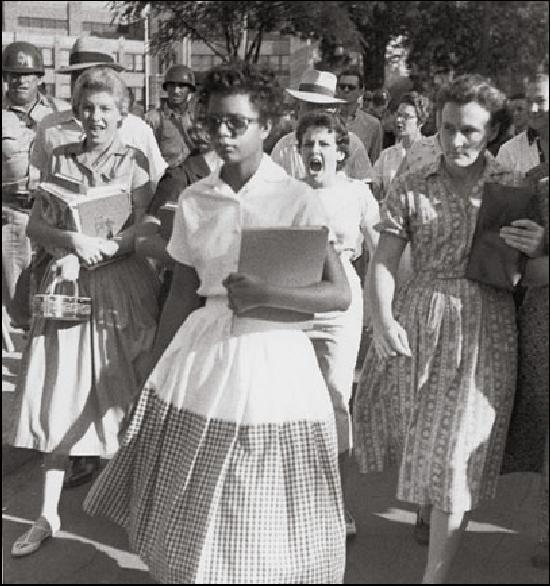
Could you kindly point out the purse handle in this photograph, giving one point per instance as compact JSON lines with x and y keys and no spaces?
{"x":59,"y":279}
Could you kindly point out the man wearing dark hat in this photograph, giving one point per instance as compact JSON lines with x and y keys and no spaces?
{"x":23,"y":107}
{"x":63,"y":128}
{"x":171,"y":122}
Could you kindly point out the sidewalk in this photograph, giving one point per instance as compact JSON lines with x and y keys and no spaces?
{"x":494,"y":550}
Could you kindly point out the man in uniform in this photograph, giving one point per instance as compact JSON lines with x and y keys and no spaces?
{"x":172,"y":121}
{"x":23,"y":107}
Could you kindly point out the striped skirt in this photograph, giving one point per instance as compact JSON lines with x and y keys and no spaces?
{"x":442,"y":415}
{"x":228,"y":473}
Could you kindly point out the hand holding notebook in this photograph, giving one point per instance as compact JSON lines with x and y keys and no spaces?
{"x":491,"y":260}
{"x":284,"y":257}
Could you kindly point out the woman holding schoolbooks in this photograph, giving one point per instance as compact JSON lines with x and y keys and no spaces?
{"x":229,"y":471}
{"x":78,"y":378}
{"x":353,"y":212}
{"x":438,"y":382}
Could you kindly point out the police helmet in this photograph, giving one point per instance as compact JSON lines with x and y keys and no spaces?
{"x":179,"y":74}
{"x":22,"y":57}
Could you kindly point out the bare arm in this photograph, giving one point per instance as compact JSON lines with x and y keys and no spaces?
{"x":389,"y":337}
{"x":331,"y":294}
{"x":182,"y":301}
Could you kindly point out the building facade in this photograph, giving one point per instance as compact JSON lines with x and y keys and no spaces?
{"x":53,"y":26}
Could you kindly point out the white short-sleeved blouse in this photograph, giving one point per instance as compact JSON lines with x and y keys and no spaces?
{"x":210,"y":217}
{"x":350,"y":207}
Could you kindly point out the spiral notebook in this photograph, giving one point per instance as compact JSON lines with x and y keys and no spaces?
{"x":290,"y":257}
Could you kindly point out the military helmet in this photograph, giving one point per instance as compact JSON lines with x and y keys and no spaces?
{"x":179,"y":74}
{"x":22,"y":57}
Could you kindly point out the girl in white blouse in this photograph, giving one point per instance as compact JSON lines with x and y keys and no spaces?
{"x":352,"y":214}
{"x":229,"y":472}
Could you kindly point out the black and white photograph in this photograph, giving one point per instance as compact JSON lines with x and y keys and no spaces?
{"x":275,"y":302}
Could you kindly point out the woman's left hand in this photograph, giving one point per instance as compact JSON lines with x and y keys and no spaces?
{"x":524,"y":235}
{"x":244,"y":292}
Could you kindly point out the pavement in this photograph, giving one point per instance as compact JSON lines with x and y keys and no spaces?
{"x":495,"y":548}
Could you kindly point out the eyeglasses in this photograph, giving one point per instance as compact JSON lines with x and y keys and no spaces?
{"x":235,"y":123}
{"x":347,"y":86}
{"x":405,"y":116}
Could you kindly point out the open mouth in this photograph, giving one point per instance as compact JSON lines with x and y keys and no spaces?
{"x":315,"y":164}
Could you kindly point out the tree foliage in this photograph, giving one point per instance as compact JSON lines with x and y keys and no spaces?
{"x":484,"y":37}
{"x":221,"y":24}
{"x":476,"y":36}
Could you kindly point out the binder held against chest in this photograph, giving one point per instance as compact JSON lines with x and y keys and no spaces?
{"x":284,"y":256}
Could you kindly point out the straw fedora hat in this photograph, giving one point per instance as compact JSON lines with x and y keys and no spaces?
{"x":88,"y":52}
{"x":318,"y":87}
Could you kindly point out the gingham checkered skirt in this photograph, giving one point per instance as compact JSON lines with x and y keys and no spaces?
{"x":208,"y":500}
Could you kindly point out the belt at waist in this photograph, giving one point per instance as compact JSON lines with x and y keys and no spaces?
{"x":247,"y":325}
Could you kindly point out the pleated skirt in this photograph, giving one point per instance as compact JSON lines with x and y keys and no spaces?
{"x":228,"y":472}
{"x":78,"y":379}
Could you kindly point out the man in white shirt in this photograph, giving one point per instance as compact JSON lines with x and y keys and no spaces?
{"x":317,"y":91}
{"x":527,"y":149}
{"x":63,"y":127}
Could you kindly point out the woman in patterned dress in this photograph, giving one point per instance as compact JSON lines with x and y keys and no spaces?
{"x":229,"y":470}
{"x":438,"y":382}
{"x":79,"y":378}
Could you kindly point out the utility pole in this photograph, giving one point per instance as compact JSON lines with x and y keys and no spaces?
{"x":145,"y":15}
{"x":242,"y":46}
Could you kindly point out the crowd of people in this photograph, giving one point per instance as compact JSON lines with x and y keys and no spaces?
{"x":226,"y":436}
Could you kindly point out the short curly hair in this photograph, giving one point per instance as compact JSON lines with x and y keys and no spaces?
{"x":473,"y":87}
{"x":333,"y":123}
{"x":101,"y":79}
{"x":422,"y":105}
{"x":239,"y":77}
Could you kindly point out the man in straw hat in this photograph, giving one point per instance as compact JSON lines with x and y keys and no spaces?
{"x":23,"y":107}
{"x":63,"y":127}
{"x":317,"y":91}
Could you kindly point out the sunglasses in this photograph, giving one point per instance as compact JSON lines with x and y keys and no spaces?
{"x":235,"y":123}
{"x":347,"y":86}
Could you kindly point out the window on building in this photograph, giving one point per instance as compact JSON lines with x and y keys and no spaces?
{"x":47,"y":57}
{"x":139,"y":95}
{"x":43,"y":23}
{"x":135,"y":62}
{"x":49,"y":89}
{"x":99,"y":28}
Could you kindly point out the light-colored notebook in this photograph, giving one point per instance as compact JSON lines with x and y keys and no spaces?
{"x":95,"y":211}
{"x":291,"y":256}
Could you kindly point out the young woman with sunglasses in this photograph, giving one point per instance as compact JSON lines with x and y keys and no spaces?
{"x":229,"y":470}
